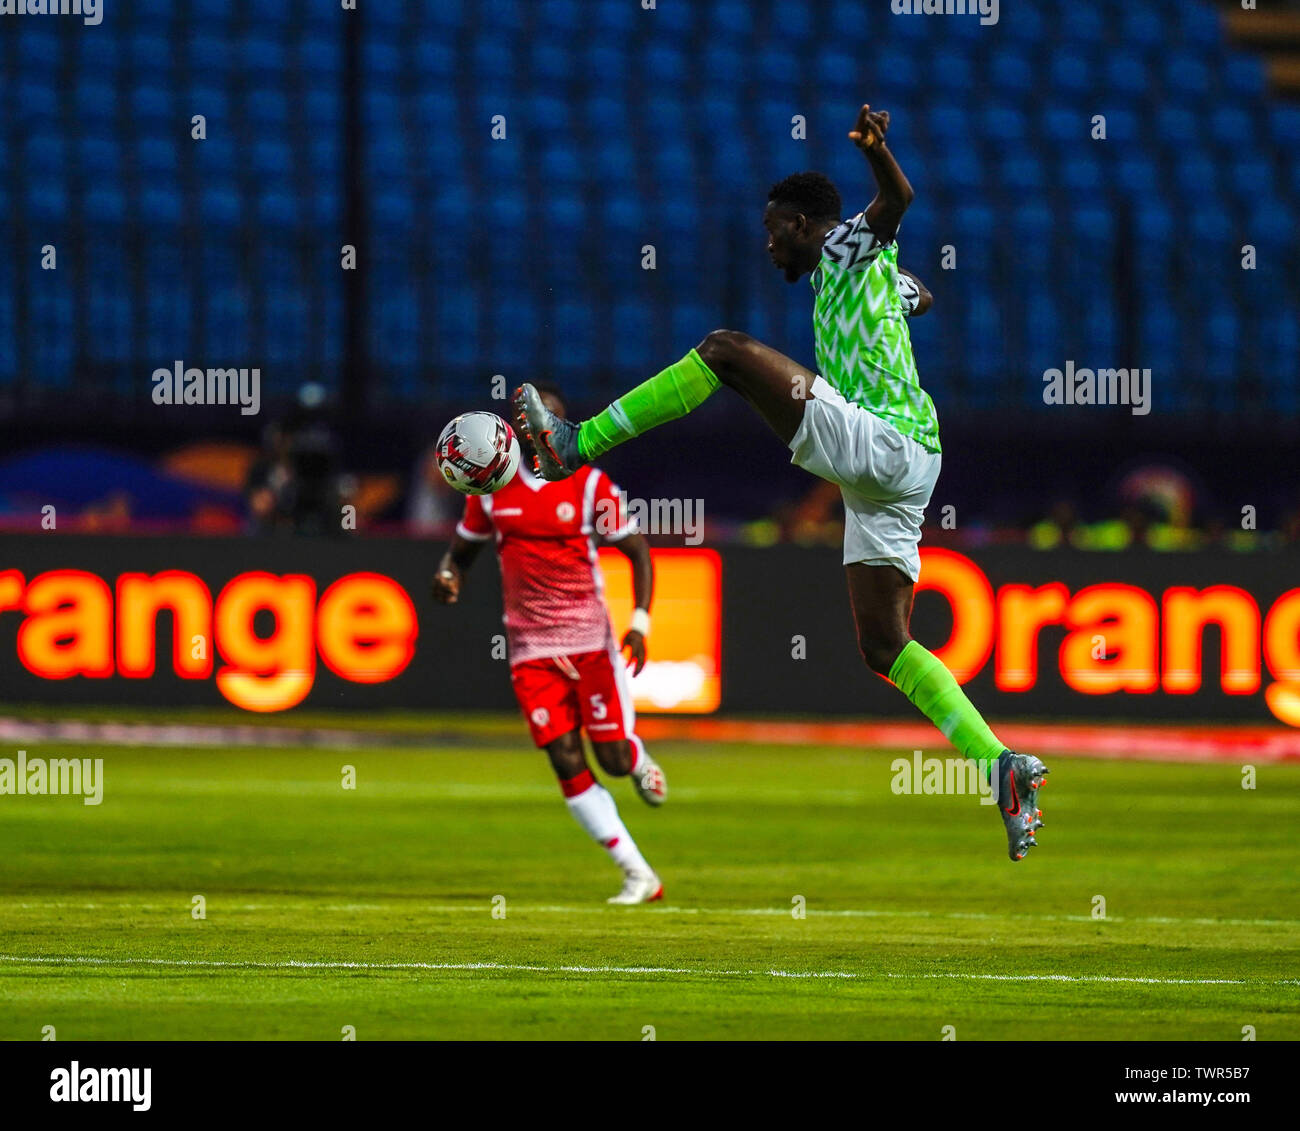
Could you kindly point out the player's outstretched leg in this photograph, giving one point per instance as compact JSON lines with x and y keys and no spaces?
{"x":881,"y":596}
{"x":774,"y":384}
{"x":594,"y":808}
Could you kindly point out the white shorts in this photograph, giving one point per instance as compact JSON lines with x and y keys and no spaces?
{"x":886,"y":478}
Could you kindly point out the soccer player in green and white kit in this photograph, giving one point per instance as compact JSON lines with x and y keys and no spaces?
{"x":865,"y":425}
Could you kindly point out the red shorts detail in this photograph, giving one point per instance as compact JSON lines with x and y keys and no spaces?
{"x":561,"y":693}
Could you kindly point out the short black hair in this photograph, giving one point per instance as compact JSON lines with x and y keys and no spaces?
{"x":813,"y":194}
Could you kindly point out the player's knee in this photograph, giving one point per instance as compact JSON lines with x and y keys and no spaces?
{"x":880,"y":649}
{"x":567,"y":758}
{"x":615,"y":758}
{"x":724,"y":351}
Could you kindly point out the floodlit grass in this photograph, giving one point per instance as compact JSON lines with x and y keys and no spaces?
{"x":373,"y":907}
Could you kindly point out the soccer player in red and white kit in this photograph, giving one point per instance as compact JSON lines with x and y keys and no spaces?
{"x":567,"y":673}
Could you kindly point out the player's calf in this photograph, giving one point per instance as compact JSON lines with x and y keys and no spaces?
{"x":628,"y":757}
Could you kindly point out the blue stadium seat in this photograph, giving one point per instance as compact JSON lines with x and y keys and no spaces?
{"x":98,"y":56}
{"x":45,"y":154}
{"x":550,"y":116}
{"x":1012,"y":74}
{"x":212,"y":15}
{"x":1083,"y":24}
{"x":1072,"y":70}
{"x":790,"y":23}
{"x":1154,"y":223}
{"x":1023,"y":173}
{"x":210,"y":56}
{"x":220,"y":205}
{"x":1243,"y":76}
{"x":950,"y":122}
{"x":959,"y":168}
{"x":1176,"y":127}
{"x":1138,"y":175}
{"x":156,"y":157}
{"x":149,"y":53}
{"x":1186,"y":75}
{"x":1125,"y":73}
{"x":38,"y":98}
{"x":263,"y":54}
{"x":730,"y":19}
{"x":1080,"y":174}
{"x":1068,"y":125}
{"x":380,"y":62}
{"x":1284,"y":125}
{"x":1144,"y":25}
{"x":159,"y":202}
{"x":95,"y":100}
{"x":321,"y":57}
{"x":278,"y":207}
{"x":1003,"y":123}
{"x":552,"y":61}
{"x":1124,"y":127}
{"x":105,"y":204}
{"x":952,"y":72}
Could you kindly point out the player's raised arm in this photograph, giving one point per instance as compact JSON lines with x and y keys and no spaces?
{"x":893,"y":192}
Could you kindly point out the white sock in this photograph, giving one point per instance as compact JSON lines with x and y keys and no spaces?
{"x":638,"y":752}
{"x":594,"y":809}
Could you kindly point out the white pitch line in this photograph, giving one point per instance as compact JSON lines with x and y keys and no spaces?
{"x":510,"y":967}
{"x":597,"y":909}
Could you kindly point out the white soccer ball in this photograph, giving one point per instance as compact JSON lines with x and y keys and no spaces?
{"x":478,"y":453}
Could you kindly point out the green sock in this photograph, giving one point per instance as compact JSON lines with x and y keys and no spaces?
{"x":921,"y":676}
{"x":681,"y":387}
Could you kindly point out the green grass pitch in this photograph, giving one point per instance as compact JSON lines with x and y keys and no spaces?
{"x":373,"y":907}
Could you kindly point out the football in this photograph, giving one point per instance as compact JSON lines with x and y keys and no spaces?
{"x":478,"y":453}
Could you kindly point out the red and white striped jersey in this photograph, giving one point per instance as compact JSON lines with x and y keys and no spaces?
{"x":546,"y":536}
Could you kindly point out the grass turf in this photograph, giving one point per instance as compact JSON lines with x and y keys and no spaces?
{"x":383,"y":895}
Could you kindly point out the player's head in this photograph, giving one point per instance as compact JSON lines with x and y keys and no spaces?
{"x":800,"y":211}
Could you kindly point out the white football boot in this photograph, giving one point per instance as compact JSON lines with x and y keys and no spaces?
{"x":649,"y":781}
{"x":639,"y":887}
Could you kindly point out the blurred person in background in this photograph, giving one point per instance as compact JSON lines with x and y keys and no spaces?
{"x":295,"y":485}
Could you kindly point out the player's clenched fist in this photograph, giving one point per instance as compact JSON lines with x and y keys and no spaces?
{"x":446,"y":586}
{"x":870,"y":129}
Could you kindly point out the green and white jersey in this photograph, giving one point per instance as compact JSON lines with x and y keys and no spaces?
{"x":864,"y":349}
